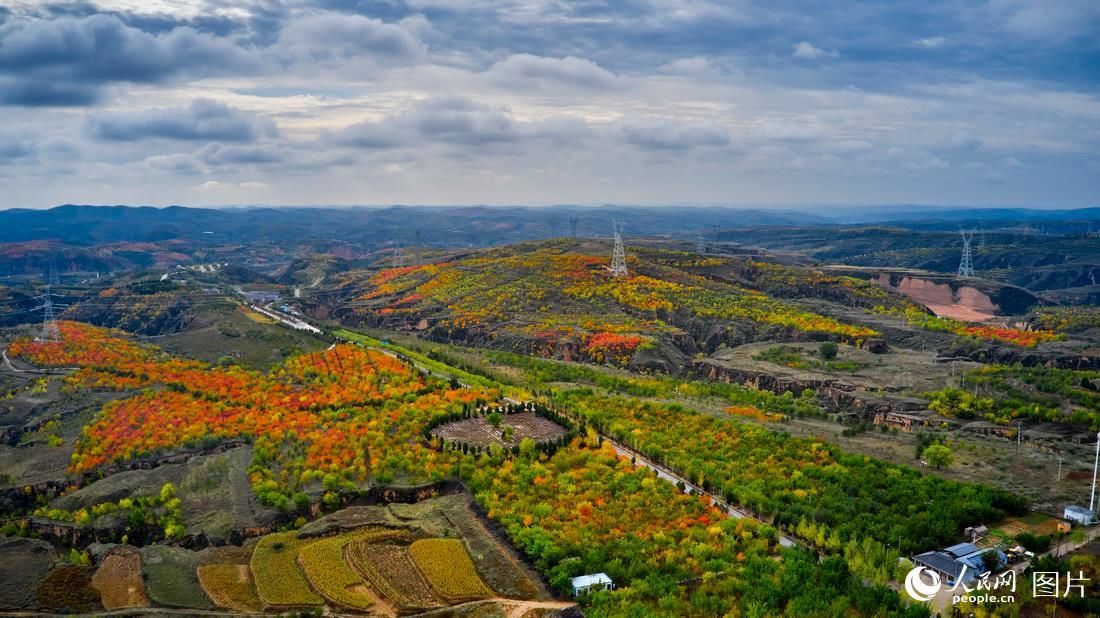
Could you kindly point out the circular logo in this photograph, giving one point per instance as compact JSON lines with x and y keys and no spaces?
{"x":918,"y":588}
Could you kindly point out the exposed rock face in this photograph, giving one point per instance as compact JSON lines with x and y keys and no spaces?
{"x":1010,"y":355}
{"x":971,"y":300}
{"x":962,"y":302}
{"x":835,"y":395}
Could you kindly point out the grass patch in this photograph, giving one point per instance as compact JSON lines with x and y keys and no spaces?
{"x":170,"y":577}
{"x":448,"y":568}
{"x":793,"y":357}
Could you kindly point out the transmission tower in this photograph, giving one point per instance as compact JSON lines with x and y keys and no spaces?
{"x":981,"y":238}
{"x":700,"y":243}
{"x":618,"y":257}
{"x":573,"y":225}
{"x":50,"y":331}
{"x":398,"y":257}
{"x":966,"y":264}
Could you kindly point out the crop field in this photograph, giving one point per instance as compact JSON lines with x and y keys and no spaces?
{"x":68,"y":588}
{"x":448,"y":568}
{"x":477,"y":431}
{"x":496,"y":563}
{"x":119,"y":582}
{"x":390,"y":571}
{"x":230,"y":586}
{"x":279,"y":581}
{"x":328,"y":572}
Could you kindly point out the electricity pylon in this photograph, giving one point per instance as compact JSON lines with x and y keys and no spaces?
{"x":700,"y":243}
{"x":50,"y":331}
{"x":573,"y":225}
{"x":966,"y":264}
{"x":618,"y":257}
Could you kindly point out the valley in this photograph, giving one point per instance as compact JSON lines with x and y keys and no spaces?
{"x":700,"y":430}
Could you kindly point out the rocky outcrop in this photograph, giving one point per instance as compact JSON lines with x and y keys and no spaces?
{"x":834,"y":394}
{"x":1011,"y":355}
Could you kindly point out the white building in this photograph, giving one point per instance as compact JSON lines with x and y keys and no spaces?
{"x":591,"y":583}
{"x":1079,"y":515}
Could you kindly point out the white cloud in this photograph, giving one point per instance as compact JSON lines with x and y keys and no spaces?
{"x":527,"y":70}
{"x":808,"y":51}
{"x":930,"y":42}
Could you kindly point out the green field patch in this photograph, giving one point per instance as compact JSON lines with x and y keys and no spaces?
{"x":170,"y":577}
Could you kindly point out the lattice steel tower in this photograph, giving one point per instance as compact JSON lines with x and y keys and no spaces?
{"x":618,"y":257}
{"x":50,"y":331}
{"x":700,"y":243}
{"x":573,"y":225}
{"x":966,"y":264}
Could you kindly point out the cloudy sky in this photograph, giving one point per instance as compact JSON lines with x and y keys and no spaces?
{"x":986,"y":102}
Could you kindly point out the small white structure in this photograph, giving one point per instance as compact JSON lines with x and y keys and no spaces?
{"x":590,"y":583}
{"x":1080,"y":515}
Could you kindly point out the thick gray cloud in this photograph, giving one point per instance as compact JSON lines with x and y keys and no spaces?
{"x":328,"y":39}
{"x":203,"y":120}
{"x":457,"y":121}
{"x":68,"y":61}
{"x":545,"y":101}
{"x":13,"y":148}
{"x":672,"y":135}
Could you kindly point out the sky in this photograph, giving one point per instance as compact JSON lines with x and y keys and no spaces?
{"x":752,"y":102}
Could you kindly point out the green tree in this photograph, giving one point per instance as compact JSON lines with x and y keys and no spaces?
{"x":938,"y":456}
{"x":827,"y":350}
{"x":495,"y":419}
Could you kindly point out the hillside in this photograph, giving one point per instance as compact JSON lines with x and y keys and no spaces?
{"x":1038,"y":262}
{"x":557,"y":299}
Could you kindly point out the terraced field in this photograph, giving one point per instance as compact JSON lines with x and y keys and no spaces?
{"x":388,"y":568}
{"x":329,"y":573}
{"x":448,"y":568}
{"x":279,"y":581}
{"x":230,"y":586}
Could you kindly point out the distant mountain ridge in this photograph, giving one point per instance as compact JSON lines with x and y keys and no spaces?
{"x":476,"y":225}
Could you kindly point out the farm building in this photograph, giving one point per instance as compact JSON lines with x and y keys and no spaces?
{"x":1079,"y":515}
{"x":959,"y":562}
{"x":591,"y":583}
